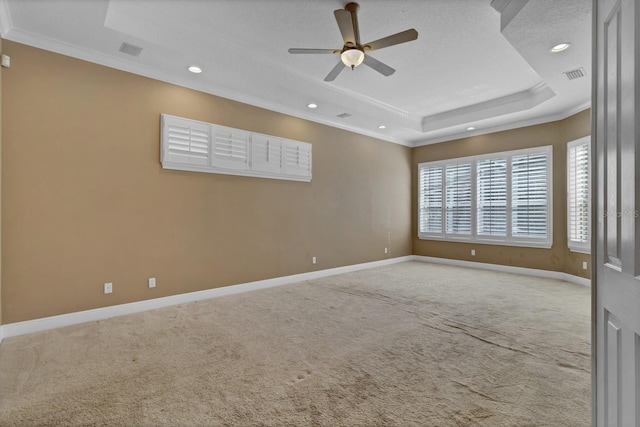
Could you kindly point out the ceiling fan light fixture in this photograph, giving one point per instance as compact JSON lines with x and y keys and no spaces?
{"x":352,"y":57}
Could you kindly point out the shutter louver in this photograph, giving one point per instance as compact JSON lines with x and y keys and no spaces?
{"x":458,"y":199}
{"x":529,"y":201}
{"x":430,"y":210}
{"x":297,"y":158}
{"x":266,"y":154}
{"x":492,"y":197}
{"x":186,"y":142}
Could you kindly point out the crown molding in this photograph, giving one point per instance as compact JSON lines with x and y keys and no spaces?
{"x":520,"y":101}
{"x":507,"y":126}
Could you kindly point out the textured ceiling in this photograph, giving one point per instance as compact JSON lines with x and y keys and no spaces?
{"x":475,"y":63}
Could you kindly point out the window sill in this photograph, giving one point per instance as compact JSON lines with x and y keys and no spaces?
{"x":517,"y":243}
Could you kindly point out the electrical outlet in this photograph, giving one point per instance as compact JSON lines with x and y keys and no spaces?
{"x":584,"y":265}
{"x":6,"y":61}
{"x":152,"y":282}
{"x":313,"y":260}
{"x":108,"y":288}
{"x":473,"y":252}
{"x":386,"y":250}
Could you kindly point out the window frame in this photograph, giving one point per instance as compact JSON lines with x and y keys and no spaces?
{"x":578,"y":246}
{"x":473,"y":237}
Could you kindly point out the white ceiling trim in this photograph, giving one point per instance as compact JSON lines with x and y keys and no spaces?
{"x":520,"y":101}
{"x":508,"y":126}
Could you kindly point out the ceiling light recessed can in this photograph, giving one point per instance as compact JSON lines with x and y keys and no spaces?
{"x":382,"y":127}
{"x":470,"y":128}
{"x":312,"y":105}
{"x":560,"y":47}
{"x":194,"y":69}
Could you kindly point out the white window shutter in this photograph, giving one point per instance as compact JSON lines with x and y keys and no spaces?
{"x":266,"y":153}
{"x":196,"y":146}
{"x":297,"y":158}
{"x":430,"y":191}
{"x":458,"y":199}
{"x":491,"y":197}
{"x":579,"y":195}
{"x":185,"y":142}
{"x":529,"y":196}
{"x":497,"y":198}
{"x":230,"y":148}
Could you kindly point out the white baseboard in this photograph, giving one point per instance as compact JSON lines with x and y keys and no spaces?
{"x":45,"y":323}
{"x":507,"y":269}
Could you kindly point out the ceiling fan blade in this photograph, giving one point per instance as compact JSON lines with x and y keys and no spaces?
{"x":383,"y":69}
{"x":345,"y":24}
{"x":303,"y":50}
{"x":334,"y":73}
{"x":402,"y":37}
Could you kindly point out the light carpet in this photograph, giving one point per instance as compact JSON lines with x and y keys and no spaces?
{"x":410,"y":344}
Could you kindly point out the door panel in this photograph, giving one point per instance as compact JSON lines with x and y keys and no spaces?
{"x":612,"y":373}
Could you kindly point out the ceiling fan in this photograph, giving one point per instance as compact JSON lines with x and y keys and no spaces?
{"x":354,"y":53}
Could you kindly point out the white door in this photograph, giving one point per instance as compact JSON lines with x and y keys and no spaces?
{"x":617,"y":187}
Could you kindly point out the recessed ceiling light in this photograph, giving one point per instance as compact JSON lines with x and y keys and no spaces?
{"x":560,"y":47}
{"x":382,"y":127}
{"x":194,"y":69}
{"x":470,"y":128}
{"x":312,"y":105}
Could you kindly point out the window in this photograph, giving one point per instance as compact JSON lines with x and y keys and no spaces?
{"x":195,"y":146}
{"x":492,"y":197}
{"x":579,"y":195}
{"x":458,"y":199}
{"x":431,"y":200}
{"x":501,"y":198}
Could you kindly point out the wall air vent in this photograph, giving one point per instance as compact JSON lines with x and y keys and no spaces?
{"x":344,"y":115}
{"x":575,"y":74}
{"x":130,"y":49}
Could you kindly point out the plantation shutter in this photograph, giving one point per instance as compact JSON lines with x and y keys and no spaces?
{"x":578,"y":195}
{"x":430,"y":192}
{"x":230,"y":148}
{"x":529,"y":196}
{"x":297,"y":158}
{"x":191,"y":145}
{"x":491,"y":189}
{"x":266,"y":153}
{"x":458,"y":199}
{"x":185,"y":142}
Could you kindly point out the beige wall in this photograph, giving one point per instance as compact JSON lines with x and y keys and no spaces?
{"x":85,"y":200}
{"x":558,"y":257}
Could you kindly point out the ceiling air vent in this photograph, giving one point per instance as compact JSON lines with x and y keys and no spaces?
{"x":344,"y":115}
{"x":575,"y":74}
{"x":130,"y":49}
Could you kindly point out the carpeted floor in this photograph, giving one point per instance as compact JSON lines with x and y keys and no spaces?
{"x":411,"y":344}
